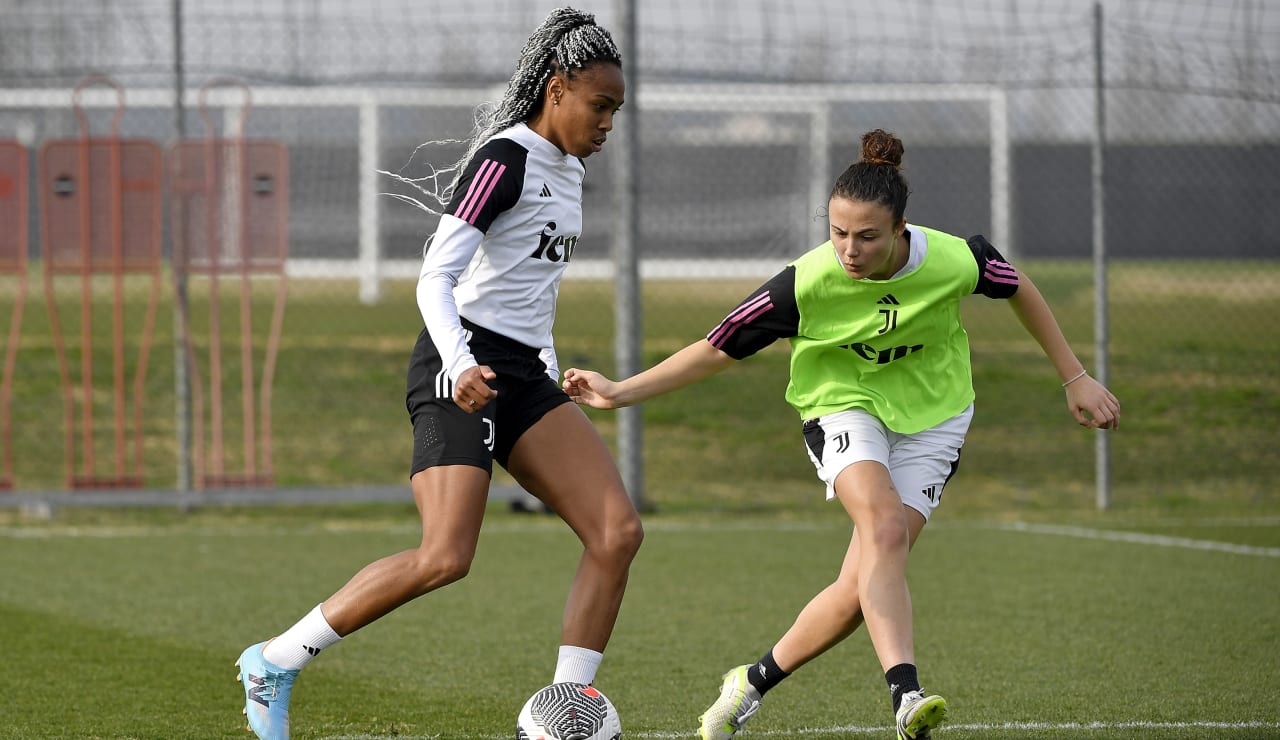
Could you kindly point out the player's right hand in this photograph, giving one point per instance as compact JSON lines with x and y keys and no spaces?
{"x":590,"y":388}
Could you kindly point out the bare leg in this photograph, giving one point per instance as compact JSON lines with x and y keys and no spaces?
{"x":451,"y":501}
{"x":835,"y":613}
{"x":563,"y":461}
{"x":868,"y":495}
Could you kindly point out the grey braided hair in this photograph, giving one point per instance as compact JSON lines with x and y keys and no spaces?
{"x":566,"y":41}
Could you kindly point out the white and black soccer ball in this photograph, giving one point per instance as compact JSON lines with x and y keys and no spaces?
{"x":568,"y":711}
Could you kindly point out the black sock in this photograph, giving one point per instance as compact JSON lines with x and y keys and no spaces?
{"x":765,"y":674}
{"x":901,"y":679}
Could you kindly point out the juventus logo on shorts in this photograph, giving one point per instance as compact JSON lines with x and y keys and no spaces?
{"x":842,"y":442}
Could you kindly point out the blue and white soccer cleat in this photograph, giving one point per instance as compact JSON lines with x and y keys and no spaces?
{"x":266,"y":694}
{"x":738,"y":701}
{"x":918,"y":714}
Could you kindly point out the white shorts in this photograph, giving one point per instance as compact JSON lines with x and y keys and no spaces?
{"x":920,"y":464}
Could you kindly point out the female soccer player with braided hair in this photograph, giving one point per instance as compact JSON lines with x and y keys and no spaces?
{"x":483,"y":382}
{"x":881,"y":377}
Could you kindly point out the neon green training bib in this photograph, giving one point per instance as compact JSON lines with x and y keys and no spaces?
{"x":894,"y":348}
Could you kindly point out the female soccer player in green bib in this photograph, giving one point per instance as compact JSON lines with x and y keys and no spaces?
{"x":880,"y":374}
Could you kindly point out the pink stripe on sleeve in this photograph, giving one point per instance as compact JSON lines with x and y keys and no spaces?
{"x":476,"y":183}
{"x":1001,"y":272}
{"x":997,"y":278}
{"x":481,"y":187}
{"x":1001,"y":267}
{"x":744,"y":314}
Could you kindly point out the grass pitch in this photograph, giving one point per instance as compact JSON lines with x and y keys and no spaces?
{"x":127,"y":625}
{"x":1036,"y":616}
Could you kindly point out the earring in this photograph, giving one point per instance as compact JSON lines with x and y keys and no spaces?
{"x":555,"y":100}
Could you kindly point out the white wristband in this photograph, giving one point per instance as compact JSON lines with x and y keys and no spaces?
{"x":1081,"y":375}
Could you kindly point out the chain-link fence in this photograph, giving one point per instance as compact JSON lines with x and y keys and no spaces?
{"x":744,"y":114}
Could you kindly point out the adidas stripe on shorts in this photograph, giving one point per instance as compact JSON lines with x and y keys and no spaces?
{"x":444,"y":434}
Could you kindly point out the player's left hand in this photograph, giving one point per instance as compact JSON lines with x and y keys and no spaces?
{"x":472,"y":391}
{"x":1092,"y":404}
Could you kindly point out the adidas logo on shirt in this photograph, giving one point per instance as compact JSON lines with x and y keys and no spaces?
{"x":546,"y":191}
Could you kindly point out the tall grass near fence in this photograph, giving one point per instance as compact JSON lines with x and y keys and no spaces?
{"x":1200,"y":405}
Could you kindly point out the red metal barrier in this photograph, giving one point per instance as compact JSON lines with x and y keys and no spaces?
{"x":100,"y":203}
{"x":230,"y":197}
{"x":13,"y":261}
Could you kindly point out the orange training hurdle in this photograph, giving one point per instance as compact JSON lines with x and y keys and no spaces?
{"x":100,"y":215}
{"x":13,"y":261}
{"x":229,"y":197}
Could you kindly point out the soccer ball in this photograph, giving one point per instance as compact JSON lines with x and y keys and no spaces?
{"x":568,"y":711}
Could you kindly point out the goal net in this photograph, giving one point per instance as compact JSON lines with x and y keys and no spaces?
{"x":733,"y":179}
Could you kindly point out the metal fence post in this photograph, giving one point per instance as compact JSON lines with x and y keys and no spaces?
{"x":1102,"y":443}
{"x":628,"y":328}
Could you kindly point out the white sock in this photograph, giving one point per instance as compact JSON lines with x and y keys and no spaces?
{"x":296,"y":646}
{"x":577,"y":665}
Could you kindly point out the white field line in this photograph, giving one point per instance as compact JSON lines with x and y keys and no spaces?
{"x":541,"y":524}
{"x":1021,"y":727}
{"x":1140,"y":538}
{"x":537,"y":523}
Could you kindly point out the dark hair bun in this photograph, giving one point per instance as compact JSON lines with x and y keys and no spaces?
{"x":881,"y":147}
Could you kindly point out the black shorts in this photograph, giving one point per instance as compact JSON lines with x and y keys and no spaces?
{"x":444,"y":434}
